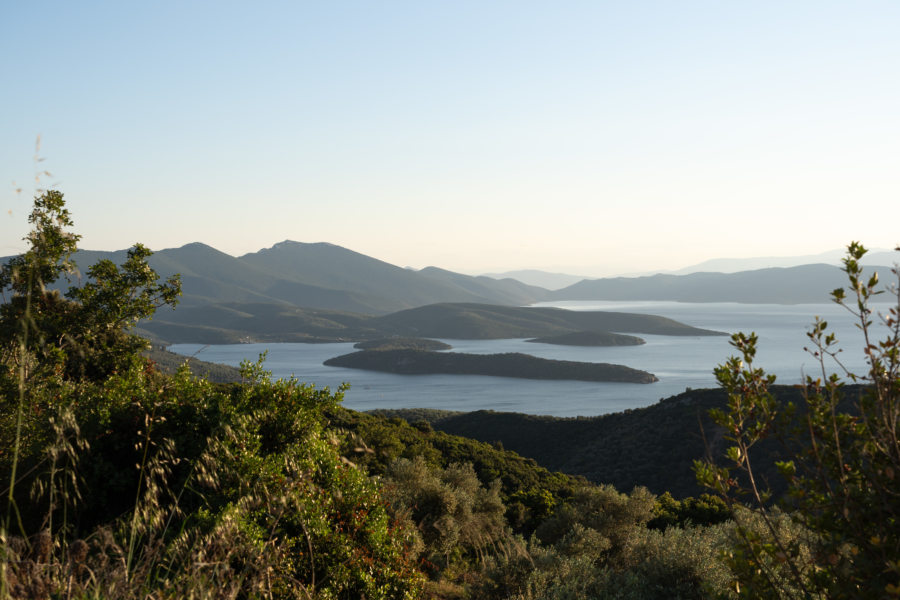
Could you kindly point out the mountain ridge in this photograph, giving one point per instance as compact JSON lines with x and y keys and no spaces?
{"x":775,"y":285}
{"x":296,"y":291}
{"x":316,"y":275}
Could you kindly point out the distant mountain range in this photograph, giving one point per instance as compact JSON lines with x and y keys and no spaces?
{"x":305,"y":292}
{"x":536,"y":277}
{"x":554,"y":281}
{"x":318,"y":276}
{"x":792,"y":285}
{"x":832,"y":257}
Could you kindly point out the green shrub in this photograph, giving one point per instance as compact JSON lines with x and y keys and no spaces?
{"x":841,"y":462}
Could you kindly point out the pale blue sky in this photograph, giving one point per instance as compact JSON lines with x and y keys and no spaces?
{"x":594,"y":137}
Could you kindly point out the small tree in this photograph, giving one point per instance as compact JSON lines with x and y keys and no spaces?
{"x":842,"y":462}
{"x":83,"y":334}
{"x":50,"y":253}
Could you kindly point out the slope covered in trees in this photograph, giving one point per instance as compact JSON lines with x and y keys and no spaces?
{"x":654,"y":447}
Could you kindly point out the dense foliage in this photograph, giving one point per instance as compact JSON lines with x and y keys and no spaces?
{"x":841,"y":460}
{"x":529,"y":492}
{"x":654,"y":446}
{"x":169,"y":362}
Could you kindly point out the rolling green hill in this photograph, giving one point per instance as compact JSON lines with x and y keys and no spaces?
{"x":260,"y":322}
{"x":653,"y":446}
{"x":230,"y":323}
{"x":478,"y":321}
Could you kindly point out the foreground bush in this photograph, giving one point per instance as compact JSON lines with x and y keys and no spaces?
{"x":176,"y":488}
{"x":599,"y":547}
{"x":119,"y":482}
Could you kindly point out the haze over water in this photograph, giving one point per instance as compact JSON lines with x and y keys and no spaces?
{"x":679,"y":362}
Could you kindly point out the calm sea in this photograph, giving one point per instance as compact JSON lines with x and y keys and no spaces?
{"x":678,"y":362}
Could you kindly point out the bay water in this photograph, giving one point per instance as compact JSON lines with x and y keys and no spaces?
{"x":678,"y":362}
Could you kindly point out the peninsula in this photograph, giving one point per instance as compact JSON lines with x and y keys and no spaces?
{"x":590,"y":338}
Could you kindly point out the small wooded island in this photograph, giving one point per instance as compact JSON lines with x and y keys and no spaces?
{"x":590,"y":338}
{"x":402,"y":343}
{"x":514,"y":364}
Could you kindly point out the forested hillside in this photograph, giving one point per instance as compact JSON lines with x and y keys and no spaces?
{"x":654,"y":447}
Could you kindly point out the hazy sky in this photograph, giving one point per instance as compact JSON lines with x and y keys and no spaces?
{"x":592,"y":137}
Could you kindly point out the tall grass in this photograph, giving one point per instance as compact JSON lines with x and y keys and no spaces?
{"x":140,"y":557}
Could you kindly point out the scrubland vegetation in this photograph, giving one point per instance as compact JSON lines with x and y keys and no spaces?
{"x":119,"y":481}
